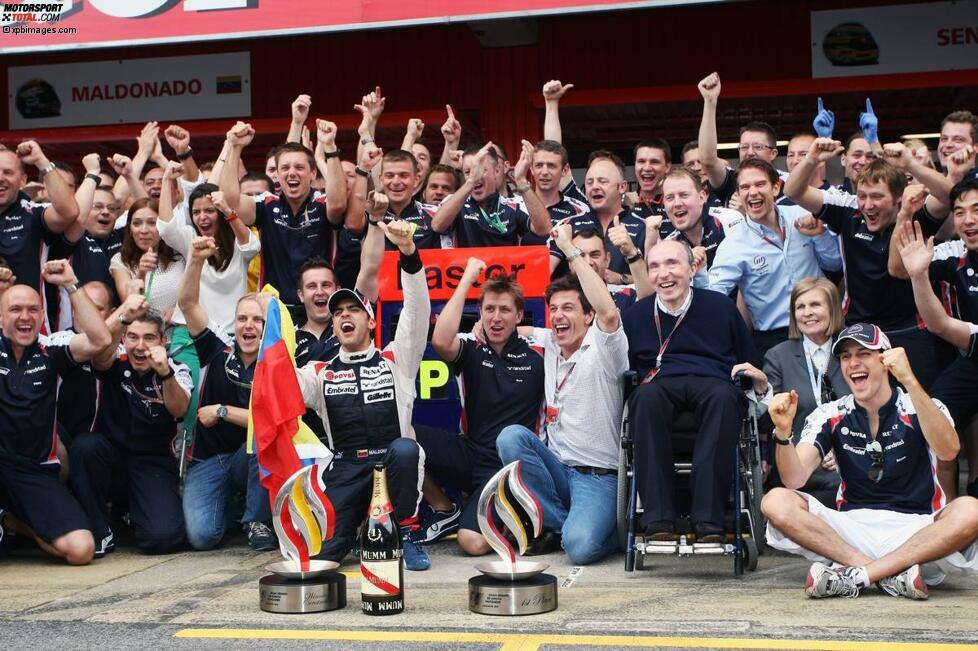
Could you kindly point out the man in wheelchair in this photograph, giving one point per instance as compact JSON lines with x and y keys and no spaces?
{"x":892,"y":527}
{"x":686,"y":345}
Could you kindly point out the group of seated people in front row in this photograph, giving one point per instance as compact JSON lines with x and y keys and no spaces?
{"x":119,"y":342}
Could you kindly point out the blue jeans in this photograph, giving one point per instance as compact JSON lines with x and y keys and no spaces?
{"x":581,"y":506}
{"x":208,"y":489}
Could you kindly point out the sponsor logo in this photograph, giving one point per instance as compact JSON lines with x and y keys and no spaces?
{"x":378,"y":396}
{"x":339,"y":376}
{"x":372,"y":371}
{"x":516,"y":355}
{"x":520,"y":368}
{"x":487,"y":363}
{"x":340,"y":389}
{"x":379,"y":383}
{"x":895,"y":444}
{"x":11,"y":229}
{"x":864,"y":236}
{"x":4,"y":370}
{"x":36,"y":369}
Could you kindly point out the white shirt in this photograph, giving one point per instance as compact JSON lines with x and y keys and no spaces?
{"x":659,"y":305}
{"x":219,"y":290}
{"x":589,"y":401}
{"x":818,"y":354}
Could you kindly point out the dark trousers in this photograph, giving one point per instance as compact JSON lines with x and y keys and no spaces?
{"x":957,"y":388}
{"x":719,"y":407}
{"x":928,"y":354}
{"x":100,"y":468}
{"x":765,"y":340}
{"x":348,"y":486}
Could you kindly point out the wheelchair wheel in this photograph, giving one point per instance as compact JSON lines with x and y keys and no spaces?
{"x":750,"y":553}
{"x":622,"y":502}
{"x":753,"y":489}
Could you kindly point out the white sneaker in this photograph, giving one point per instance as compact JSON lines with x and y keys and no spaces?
{"x":823,"y":581}
{"x":908,"y":583}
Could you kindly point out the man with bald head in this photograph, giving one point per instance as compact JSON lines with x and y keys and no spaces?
{"x":686,"y":344}
{"x":605,"y":187}
{"x":39,"y":505}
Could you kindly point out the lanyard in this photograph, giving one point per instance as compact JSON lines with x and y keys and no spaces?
{"x":493,"y":217}
{"x":663,"y":345}
{"x":812,"y":375}
{"x":560,"y":385}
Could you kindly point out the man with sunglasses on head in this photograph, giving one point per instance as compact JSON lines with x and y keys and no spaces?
{"x":892,"y":526}
{"x":144,"y":395}
{"x":220,"y":463}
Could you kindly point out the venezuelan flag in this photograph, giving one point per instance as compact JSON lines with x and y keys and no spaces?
{"x":276,"y":432}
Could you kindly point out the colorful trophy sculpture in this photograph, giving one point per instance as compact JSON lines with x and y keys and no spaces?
{"x":303,"y":517}
{"x":511,"y":586}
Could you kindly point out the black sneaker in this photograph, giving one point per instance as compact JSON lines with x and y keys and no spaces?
{"x":435,"y":525}
{"x":260,"y":537}
{"x":708,"y":533}
{"x":105,"y":546}
{"x":547,"y":543}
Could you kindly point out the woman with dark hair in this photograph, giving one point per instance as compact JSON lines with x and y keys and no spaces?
{"x":225,"y":276}
{"x":146,"y":264}
{"x":806,"y":364}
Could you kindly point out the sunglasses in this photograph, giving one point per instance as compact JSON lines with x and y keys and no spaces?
{"x":875,"y":452}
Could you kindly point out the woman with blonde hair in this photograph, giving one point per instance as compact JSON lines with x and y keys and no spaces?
{"x":806,"y":364}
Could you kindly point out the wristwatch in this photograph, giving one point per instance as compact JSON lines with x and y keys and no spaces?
{"x":94,"y":177}
{"x":575,"y":255}
{"x":47,"y":169}
{"x":222,"y":412}
{"x":362,"y":172}
{"x":626,"y":279}
{"x":185,"y":155}
{"x":72,"y":288}
{"x":786,"y":441}
{"x":366,"y":140}
{"x":634,"y":258}
{"x":331,"y":154}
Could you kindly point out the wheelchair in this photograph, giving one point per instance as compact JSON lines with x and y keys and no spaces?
{"x":744,"y":520}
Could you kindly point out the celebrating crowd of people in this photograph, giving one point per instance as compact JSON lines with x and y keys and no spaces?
{"x":132,"y":312}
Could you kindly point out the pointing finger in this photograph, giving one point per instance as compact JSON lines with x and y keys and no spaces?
{"x":821,"y":107}
{"x":869,"y":106}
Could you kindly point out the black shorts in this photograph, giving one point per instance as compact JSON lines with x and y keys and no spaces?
{"x":456,"y":461}
{"x":34,"y":494}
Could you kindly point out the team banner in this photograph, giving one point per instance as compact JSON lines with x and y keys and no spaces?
{"x":444,"y":268}
{"x":111,"y":92}
{"x":895,"y":39}
{"x":63,"y":24}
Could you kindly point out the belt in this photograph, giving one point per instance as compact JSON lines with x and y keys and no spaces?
{"x":362,"y":453}
{"x":591,"y":470}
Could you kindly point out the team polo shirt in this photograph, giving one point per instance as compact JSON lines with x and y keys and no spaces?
{"x":573,"y":191}
{"x":909,"y":481}
{"x":90,"y":258}
{"x":23,"y":233}
{"x":565,"y":208}
{"x":309,"y":348}
{"x":956,"y":269}
{"x":714,"y":220}
{"x":78,"y":391}
{"x":499,"y":390}
{"x":132,"y":413}
{"x":624,"y":296}
{"x":288,"y":240}
{"x":420,"y":215}
{"x":652,"y":208}
{"x":872,"y":295}
{"x":502,"y":221}
{"x":28,"y":398}
{"x":633,"y":224}
{"x":226,"y":380}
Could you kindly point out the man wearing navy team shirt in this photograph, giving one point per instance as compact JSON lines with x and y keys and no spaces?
{"x":893,"y":527}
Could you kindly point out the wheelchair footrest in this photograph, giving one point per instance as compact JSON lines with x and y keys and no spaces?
{"x":683,"y":547}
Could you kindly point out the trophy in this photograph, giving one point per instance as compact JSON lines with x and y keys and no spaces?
{"x":303,"y":517}
{"x":511,"y":586}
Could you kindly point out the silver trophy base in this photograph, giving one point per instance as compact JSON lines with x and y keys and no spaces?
{"x":489,"y":596}
{"x":277,"y":594}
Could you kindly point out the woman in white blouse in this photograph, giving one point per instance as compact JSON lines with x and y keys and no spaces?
{"x":225,"y":278}
{"x":146,"y":264}
{"x":806,"y":364}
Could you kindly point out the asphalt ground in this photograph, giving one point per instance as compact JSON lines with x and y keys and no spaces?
{"x":205,"y":600}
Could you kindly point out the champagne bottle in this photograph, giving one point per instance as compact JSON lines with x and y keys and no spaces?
{"x":381,"y":555}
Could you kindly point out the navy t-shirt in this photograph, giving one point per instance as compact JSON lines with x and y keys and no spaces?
{"x":225,"y":381}
{"x":28,"y":399}
{"x":872,"y":294}
{"x":132,"y":413}
{"x":955,"y":269}
{"x":288,"y":240}
{"x":502,"y":221}
{"x":909,"y":481}
{"x":499,"y":390}
{"x":23,"y":231}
